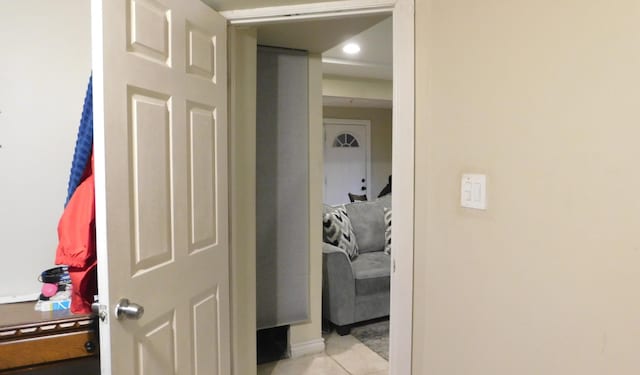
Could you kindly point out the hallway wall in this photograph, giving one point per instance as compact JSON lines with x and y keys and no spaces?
{"x":542,"y":97}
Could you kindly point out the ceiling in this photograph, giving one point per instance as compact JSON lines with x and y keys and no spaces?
{"x":375,"y":59}
{"x":317,"y":36}
{"x":373,"y":32}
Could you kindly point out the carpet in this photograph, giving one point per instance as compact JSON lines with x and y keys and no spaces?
{"x":375,"y":336}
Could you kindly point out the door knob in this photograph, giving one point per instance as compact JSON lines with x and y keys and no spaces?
{"x":99,"y":310}
{"x":128,"y":310}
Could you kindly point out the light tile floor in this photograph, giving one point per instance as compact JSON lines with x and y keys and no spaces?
{"x":344,"y":355}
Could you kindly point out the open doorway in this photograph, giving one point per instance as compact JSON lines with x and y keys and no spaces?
{"x":243,"y":35}
{"x":372,"y":301}
{"x":357,"y":111}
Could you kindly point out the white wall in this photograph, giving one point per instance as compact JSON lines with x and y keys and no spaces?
{"x":44,"y":69}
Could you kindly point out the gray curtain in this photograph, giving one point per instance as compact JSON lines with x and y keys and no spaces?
{"x":282,"y":149}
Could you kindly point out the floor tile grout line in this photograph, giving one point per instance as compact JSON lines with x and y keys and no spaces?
{"x":338,"y":363}
{"x":349,"y":372}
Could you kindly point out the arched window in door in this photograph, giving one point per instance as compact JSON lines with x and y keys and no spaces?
{"x":345,"y":140}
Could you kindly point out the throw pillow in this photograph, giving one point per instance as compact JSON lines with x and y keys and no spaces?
{"x":387,"y":231}
{"x":338,"y":231}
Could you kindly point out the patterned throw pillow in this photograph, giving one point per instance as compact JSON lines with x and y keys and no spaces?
{"x":387,"y":231}
{"x":338,"y":231}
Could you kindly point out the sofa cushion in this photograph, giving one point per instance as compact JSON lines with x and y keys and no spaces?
{"x":337,"y":230}
{"x":384,"y":201}
{"x":327,"y":209}
{"x":387,"y":231}
{"x":367,"y":219}
{"x":372,"y":272}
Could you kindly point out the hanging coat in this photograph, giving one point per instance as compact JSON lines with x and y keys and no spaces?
{"x":84,"y":144}
{"x":77,"y":244}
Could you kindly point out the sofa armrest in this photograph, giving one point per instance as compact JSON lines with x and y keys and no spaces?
{"x":338,"y":285}
{"x":328,"y":248}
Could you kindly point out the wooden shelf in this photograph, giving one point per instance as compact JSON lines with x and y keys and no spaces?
{"x":29,"y":337}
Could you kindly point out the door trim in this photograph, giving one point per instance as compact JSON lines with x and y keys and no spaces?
{"x":330,"y":9}
{"x":367,"y":130}
{"x":403,"y":171}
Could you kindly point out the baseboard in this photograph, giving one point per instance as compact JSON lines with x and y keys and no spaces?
{"x":307,"y":347}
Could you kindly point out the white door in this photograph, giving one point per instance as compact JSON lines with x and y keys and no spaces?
{"x":346,"y":160}
{"x":160,"y":111}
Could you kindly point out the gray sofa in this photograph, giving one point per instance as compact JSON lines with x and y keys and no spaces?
{"x":357,"y":290}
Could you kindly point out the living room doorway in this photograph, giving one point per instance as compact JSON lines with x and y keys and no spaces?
{"x":403,"y":32}
{"x":358,"y":105}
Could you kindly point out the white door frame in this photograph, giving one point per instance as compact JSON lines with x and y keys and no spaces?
{"x":401,"y":339}
{"x":367,"y":127}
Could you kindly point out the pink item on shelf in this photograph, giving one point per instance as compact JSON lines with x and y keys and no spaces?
{"x":49,"y":290}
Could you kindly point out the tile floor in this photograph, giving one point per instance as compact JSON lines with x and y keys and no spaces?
{"x":344,"y":355}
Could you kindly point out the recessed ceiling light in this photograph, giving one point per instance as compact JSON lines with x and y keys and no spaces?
{"x":351,"y":48}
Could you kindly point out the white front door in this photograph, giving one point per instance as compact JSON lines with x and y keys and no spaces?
{"x":346,"y":159}
{"x":160,"y":112}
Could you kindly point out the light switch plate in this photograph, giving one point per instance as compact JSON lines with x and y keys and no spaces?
{"x":473,"y":191}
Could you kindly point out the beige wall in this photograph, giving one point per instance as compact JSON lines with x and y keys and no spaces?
{"x":242,"y":197}
{"x":350,"y":87}
{"x":380,"y":140}
{"x":544,"y":98}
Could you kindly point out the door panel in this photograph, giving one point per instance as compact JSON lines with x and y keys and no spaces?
{"x":149,"y":127}
{"x":205,"y":333}
{"x":161,"y":185}
{"x":156,"y":347}
{"x":202,"y":168}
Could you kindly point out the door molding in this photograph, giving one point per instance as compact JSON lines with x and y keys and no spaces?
{"x":330,"y":9}
{"x":403,"y":171}
{"x":367,"y":130}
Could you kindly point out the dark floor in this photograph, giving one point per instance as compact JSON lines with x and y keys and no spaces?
{"x":85,"y":366}
{"x":272,"y":344}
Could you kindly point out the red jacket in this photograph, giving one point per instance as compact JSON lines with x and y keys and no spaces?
{"x":77,"y":244}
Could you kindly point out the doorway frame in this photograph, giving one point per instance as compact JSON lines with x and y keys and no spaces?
{"x":403,"y":154}
{"x":367,"y":129}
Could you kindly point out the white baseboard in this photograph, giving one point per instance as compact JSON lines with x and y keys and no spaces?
{"x":22,"y":298}
{"x":307,"y":347}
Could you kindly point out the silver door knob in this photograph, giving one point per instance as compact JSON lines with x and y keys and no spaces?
{"x":128,"y":310}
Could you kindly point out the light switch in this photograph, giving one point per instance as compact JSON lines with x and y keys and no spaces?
{"x":466,"y":191}
{"x":473,"y":191}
